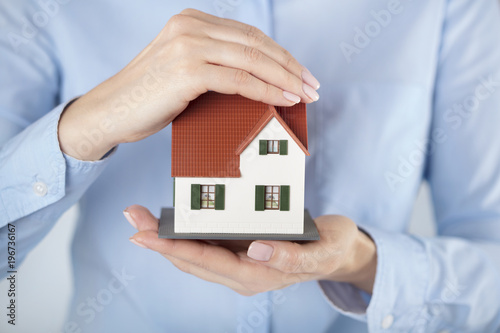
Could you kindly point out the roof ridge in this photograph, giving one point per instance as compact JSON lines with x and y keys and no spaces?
{"x":259,"y":126}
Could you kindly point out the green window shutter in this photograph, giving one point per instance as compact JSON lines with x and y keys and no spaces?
{"x":285,"y":198}
{"x":220,"y":196}
{"x":263,"y":147}
{"x":174,"y":193}
{"x":283,"y":147}
{"x":195,"y":196}
{"x":260,"y":199}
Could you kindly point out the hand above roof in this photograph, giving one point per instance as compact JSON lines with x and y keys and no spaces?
{"x":194,"y":53}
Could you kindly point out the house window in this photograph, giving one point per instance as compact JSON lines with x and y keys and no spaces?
{"x":273,"y":146}
{"x":207,"y":196}
{"x":272,"y":197}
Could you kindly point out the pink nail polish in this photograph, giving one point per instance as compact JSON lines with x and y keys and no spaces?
{"x":260,"y":251}
{"x":133,"y":241}
{"x":308,"y":78}
{"x":291,"y":97}
{"x":313,"y":94}
{"x":129,"y":218}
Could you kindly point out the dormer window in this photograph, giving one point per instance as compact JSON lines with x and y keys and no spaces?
{"x":273,"y":146}
{"x":277,"y":147}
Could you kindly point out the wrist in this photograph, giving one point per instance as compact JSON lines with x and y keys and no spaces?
{"x":359,"y":269}
{"x":84,"y":132}
{"x":364,"y":267}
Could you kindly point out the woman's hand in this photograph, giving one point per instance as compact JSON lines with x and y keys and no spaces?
{"x":194,"y":53}
{"x":343,"y":254}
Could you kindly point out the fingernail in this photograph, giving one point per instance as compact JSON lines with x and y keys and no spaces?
{"x":291,"y":97}
{"x":260,"y":251}
{"x":129,"y":218}
{"x":309,"y":91}
{"x":134,"y":241}
{"x":308,"y":78}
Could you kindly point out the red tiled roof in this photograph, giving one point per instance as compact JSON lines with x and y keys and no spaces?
{"x":296,"y":119}
{"x":209,"y":135}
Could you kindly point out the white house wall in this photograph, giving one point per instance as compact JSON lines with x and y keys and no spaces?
{"x":239,"y":215}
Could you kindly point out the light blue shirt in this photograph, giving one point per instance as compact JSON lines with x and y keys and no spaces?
{"x":395,"y":76}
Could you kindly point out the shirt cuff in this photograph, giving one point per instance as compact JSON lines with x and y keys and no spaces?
{"x":35,"y":173}
{"x":399,"y":289}
{"x":345,"y":298}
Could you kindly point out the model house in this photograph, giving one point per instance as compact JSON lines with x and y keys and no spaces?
{"x":239,"y":166}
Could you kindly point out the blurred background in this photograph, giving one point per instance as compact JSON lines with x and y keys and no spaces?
{"x":45,"y":290}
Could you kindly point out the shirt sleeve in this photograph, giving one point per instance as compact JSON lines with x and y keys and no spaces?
{"x":38,"y":183}
{"x":449,"y":283}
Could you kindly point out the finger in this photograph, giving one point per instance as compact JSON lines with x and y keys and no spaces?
{"x":251,"y":285}
{"x":200,"y":259}
{"x":289,"y":257}
{"x":255,"y":62}
{"x":212,"y":258}
{"x":232,"y":81}
{"x":201,"y":253}
{"x":318,"y":257}
{"x":251,"y":36}
{"x":141,"y":218}
{"x":209,"y":276}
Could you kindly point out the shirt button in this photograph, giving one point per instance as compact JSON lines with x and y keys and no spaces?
{"x":387,"y":322}
{"x":40,"y":189}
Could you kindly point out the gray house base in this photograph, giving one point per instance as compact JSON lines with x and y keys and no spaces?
{"x":166,"y":230}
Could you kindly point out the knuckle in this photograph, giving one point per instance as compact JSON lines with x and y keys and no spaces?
{"x":291,"y":81}
{"x":204,"y":257}
{"x":293,"y":263}
{"x":288,"y":59}
{"x":176,"y":23}
{"x":266,"y":94}
{"x":181,"y":23}
{"x":254,"y":36}
{"x":241,"y":77}
{"x":189,"y":11}
{"x":182,"y":44}
{"x":312,"y":265}
{"x":252,"y":54}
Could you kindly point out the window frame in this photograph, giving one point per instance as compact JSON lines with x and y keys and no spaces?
{"x":272,"y":146}
{"x":272,"y":194}
{"x":208,"y":196}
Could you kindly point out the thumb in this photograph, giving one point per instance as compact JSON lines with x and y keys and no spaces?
{"x":287,"y":257}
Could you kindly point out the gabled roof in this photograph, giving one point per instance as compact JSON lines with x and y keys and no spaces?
{"x":209,"y":135}
{"x":294,"y":120}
